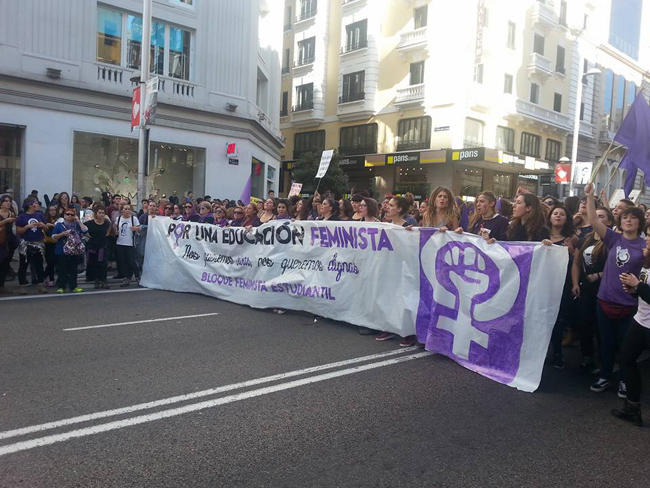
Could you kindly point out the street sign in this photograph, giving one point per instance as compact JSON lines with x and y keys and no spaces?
{"x":233,"y":161}
{"x":325,"y":160}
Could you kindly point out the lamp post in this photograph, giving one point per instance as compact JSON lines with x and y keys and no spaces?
{"x":143,"y":140}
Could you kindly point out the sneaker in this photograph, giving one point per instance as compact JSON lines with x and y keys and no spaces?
{"x":59,"y":291}
{"x":630,"y":412}
{"x":77,"y":290}
{"x":408,"y":341}
{"x":622,"y":390}
{"x":384,"y":336}
{"x":600,"y":386}
{"x":125,"y":283}
{"x":558,"y":362}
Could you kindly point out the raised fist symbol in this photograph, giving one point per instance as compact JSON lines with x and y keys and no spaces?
{"x":469,"y":284}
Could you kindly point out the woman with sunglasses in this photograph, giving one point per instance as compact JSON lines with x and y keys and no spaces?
{"x":205,"y":213}
{"x":66,"y":264}
{"x":7,"y":239}
{"x":169,"y":210}
{"x":238,"y":217}
{"x":220,"y":217}
{"x":189,"y":213}
{"x":63,"y":203}
{"x":51,"y":218}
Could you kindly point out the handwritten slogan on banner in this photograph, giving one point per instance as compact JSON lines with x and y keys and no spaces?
{"x":481,"y":305}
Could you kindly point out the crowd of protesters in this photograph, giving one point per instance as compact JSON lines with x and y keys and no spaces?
{"x":605,"y":301}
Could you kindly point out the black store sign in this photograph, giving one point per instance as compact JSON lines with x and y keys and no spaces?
{"x":352,"y":162}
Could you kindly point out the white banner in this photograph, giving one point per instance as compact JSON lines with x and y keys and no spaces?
{"x":476,"y":303}
{"x":325,"y":160}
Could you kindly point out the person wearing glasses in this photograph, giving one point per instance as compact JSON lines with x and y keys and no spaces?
{"x":189,"y":213}
{"x":66,"y":264}
{"x":51,"y":218}
{"x":205,"y":213}
{"x":369,"y":210}
{"x":169,"y":210}
{"x":30,"y":226}
{"x":127,"y":228}
{"x":220,"y":217}
{"x":238,"y":217}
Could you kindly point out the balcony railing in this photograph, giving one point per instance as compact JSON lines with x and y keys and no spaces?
{"x":112,"y":75}
{"x":539,"y":64}
{"x":472,"y":143}
{"x":410,"y":93}
{"x":303,"y":106}
{"x":543,"y":115}
{"x":354,"y":150}
{"x":303,"y":61}
{"x":412,"y":38}
{"x":306,"y":15}
{"x":354,"y":46}
{"x":412,"y":145}
{"x":544,"y":15}
{"x":352,"y":97}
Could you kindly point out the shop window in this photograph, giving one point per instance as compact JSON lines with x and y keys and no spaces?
{"x":306,"y":51}
{"x":553,"y":149}
{"x":10,"y":159}
{"x":502,"y":185}
{"x":356,"y":35}
{"x":473,"y":133}
{"x":512,"y":32}
{"x":353,"y":87}
{"x":471,"y":182}
{"x":507,"y":84}
{"x":416,"y":73}
{"x":420,"y":17}
{"x":359,"y":139}
{"x":304,"y":142}
{"x":110,"y":163}
{"x":505,"y":138}
{"x":414,"y":133}
{"x":304,"y":97}
{"x":530,"y":144}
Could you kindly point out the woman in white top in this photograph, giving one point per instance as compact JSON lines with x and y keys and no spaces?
{"x":127,"y":227}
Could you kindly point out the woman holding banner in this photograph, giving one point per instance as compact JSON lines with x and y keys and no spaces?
{"x":486,"y":219}
{"x":205,"y":213}
{"x":616,"y":308}
{"x":284,"y":210}
{"x":329,"y":209}
{"x":269,"y":211}
{"x":442,"y":210}
{"x":369,"y":210}
{"x":250,"y":216}
{"x":189,"y":213}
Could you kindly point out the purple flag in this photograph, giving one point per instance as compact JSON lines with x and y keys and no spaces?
{"x":246,"y":192}
{"x":634,"y":133}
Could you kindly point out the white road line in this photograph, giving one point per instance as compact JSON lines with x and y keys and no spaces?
{"x":119,"y":424}
{"x":165,"y":319}
{"x":85,"y":293}
{"x":198,"y":394}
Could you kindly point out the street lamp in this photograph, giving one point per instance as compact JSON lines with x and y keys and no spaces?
{"x":576,"y":121}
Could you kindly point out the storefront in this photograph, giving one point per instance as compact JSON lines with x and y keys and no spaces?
{"x":11,"y":142}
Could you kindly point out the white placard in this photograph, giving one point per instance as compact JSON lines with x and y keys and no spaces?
{"x":325,"y":160}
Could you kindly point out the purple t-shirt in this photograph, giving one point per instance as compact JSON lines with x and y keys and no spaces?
{"x":35,"y":234}
{"x":623,"y":256}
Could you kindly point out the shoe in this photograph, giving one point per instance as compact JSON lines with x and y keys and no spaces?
{"x":365,"y":331}
{"x":622,"y":390}
{"x":601,"y":385}
{"x":77,"y":290}
{"x":51,"y":284}
{"x":41,"y":288}
{"x":384,"y":336}
{"x":630,"y":412}
{"x":558,"y":362}
{"x":125,"y":283}
{"x":60,"y":291}
{"x":408,"y":341}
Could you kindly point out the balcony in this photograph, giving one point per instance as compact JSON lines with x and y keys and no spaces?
{"x":307,"y":15}
{"x":303,"y":64}
{"x":355,"y":106}
{"x":352,"y":97}
{"x":550,"y":117}
{"x":544,"y":16}
{"x":303,"y":106}
{"x":412,"y":95}
{"x":413,"y":145}
{"x":413,"y":40}
{"x":540,"y":66}
{"x":307,"y":114}
{"x":351,"y":47}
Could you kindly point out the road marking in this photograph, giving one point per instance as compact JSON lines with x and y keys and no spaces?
{"x":165,"y":319}
{"x":198,"y":394}
{"x":119,"y":424}
{"x":85,"y":293}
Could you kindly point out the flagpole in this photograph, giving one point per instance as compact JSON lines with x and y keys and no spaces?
{"x":602,"y":160}
{"x":611,"y":176}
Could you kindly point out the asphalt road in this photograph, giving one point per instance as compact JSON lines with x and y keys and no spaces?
{"x":174,"y":405}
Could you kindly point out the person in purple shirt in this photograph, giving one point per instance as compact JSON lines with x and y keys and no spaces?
{"x":616,"y":307}
{"x":29,"y":226}
{"x":486,"y":218}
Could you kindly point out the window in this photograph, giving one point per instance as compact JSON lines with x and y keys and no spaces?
{"x":534,"y":93}
{"x":553,"y":149}
{"x":359,"y":139}
{"x":307,"y":9}
{"x":582,"y":110}
{"x":420,"y":17}
{"x":414,"y":134}
{"x":286,"y":57}
{"x":287,"y":18}
{"x":530,"y":144}
{"x":502,"y":184}
{"x":505,"y":139}
{"x":557,"y":102}
{"x":585,"y":22}
{"x":562,"y":19}
{"x":306,"y":50}
{"x":304,"y":97}
{"x":353,"y":87}
{"x":109,"y":36}
{"x":356,"y":35}
{"x":285,"y":104}
{"x":119,"y":42}
{"x":304,"y":142}
{"x":585,"y":68}
{"x":478,"y":73}
{"x":473,"y":133}
{"x":625,"y":26}
{"x":486,"y":15}
{"x":512,"y":32}
{"x":184,"y":2}
{"x":538,"y":44}
{"x":559,"y":60}
{"x":417,"y":73}
{"x":507,"y":84}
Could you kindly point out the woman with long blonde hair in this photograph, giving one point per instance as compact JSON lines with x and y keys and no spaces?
{"x":442,"y":210}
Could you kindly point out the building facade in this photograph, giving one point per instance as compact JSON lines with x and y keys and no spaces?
{"x":66,"y":71}
{"x":474,"y":94}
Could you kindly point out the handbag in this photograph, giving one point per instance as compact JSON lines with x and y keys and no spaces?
{"x":74,"y":246}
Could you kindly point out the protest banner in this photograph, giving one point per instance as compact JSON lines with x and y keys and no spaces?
{"x":477,"y":303}
{"x":295,"y":189}
{"x":325,"y":160}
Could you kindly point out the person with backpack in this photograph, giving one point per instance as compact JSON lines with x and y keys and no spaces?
{"x":127,"y":228}
{"x":69,"y":250}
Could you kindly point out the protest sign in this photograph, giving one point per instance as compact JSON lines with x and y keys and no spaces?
{"x":325,"y":160}
{"x":295,"y":189}
{"x":477,"y":303}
